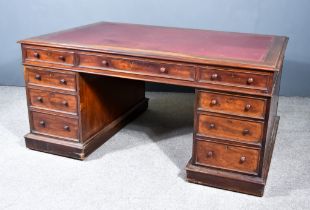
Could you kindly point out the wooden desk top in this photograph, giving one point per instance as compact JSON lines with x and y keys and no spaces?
{"x":188,"y":45}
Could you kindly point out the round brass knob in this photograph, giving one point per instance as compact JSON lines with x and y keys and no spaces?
{"x":65,"y":103}
{"x":245,"y":131}
{"x":62,"y":58}
{"x":38,"y":77}
{"x":163,"y":70}
{"x":63,"y":81}
{"x":104,"y":63}
{"x":42,"y":123}
{"x":66,"y":127}
{"x":40,"y":99}
{"x":213,"y":101}
{"x":250,"y":80}
{"x":247,"y":107}
{"x":214,"y":76}
{"x":212,"y":125}
{"x":36,"y":55}
{"x":210,"y":154}
{"x":242,"y":159}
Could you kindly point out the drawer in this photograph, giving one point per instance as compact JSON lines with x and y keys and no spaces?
{"x":168,"y":70}
{"x":49,"y":56}
{"x":241,"y":159}
{"x":49,"y":78}
{"x":161,"y":69}
{"x":103,"y":61}
{"x":230,"y":128}
{"x":52,"y":101}
{"x":234,"y":77}
{"x":231,"y":104}
{"x":54,"y":125}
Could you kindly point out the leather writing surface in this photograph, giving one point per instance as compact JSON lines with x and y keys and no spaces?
{"x":203,"y":43}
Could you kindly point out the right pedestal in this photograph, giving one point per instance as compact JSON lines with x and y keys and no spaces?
{"x":233,"y":141}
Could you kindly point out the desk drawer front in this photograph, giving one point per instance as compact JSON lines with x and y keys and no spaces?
{"x":235,"y":78}
{"x":50,"y":56}
{"x":227,"y":157}
{"x":168,"y":70}
{"x":230,"y":128}
{"x":104,"y":61}
{"x":53,"y":101}
{"x":55,"y":126}
{"x":51,"y":79}
{"x":231,"y":104}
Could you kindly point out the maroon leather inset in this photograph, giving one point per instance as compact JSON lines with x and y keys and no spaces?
{"x":203,"y":43}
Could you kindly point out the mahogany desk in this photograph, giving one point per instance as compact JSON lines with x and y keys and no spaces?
{"x":85,"y":84}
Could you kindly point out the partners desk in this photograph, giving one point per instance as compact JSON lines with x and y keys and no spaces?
{"x":84,"y":84}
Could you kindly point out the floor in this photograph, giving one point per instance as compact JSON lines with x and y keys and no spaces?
{"x":142,"y":166}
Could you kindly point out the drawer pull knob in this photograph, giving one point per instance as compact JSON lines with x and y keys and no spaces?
{"x":40,"y":99}
{"x":63,"y":81}
{"x":214,"y":76}
{"x":210,"y":154}
{"x":38,"y":77}
{"x":66,"y":127}
{"x":36,"y":55}
{"x":62,"y":58}
{"x":242,"y":159}
{"x":247,"y":107}
{"x":65,"y":103}
{"x":163,"y":70}
{"x":212,"y":125}
{"x":42,"y":123}
{"x":104,"y":63}
{"x":213,"y":101}
{"x":250,"y":80}
{"x":245,"y":131}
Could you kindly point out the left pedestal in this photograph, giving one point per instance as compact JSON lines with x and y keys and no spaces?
{"x":72,"y":114}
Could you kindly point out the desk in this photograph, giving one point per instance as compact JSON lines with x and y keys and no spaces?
{"x":84,"y":84}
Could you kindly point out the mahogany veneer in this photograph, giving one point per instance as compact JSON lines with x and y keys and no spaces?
{"x":85,"y":83}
